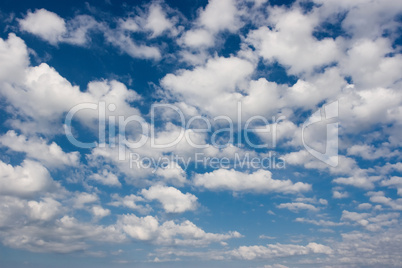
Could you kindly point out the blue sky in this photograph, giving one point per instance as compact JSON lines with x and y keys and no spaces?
{"x":218,"y":133}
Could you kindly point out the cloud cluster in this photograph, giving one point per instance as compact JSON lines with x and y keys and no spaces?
{"x":274,"y":61}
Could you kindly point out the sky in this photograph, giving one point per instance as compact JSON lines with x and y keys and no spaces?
{"x":221,"y":133}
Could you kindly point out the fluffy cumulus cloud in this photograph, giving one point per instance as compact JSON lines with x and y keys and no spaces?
{"x":159,"y":132}
{"x":172,"y":199}
{"x":259,"y":181}
{"x":45,"y":24}
{"x":49,"y":154}
{"x":28,"y":179}
{"x":297,"y":206}
{"x":169,"y":233}
{"x":278,"y":250}
{"x":291,"y":42}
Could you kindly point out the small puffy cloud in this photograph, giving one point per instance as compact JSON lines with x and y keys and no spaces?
{"x":169,"y":233}
{"x":126,"y":44}
{"x":172,"y":199}
{"x":260,"y":182}
{"x":204,"y":83}
{"x":45,"y":24}
{"x":394,"y":182}
{"x":14,"y":55}
{"x":346,"y":165}
{"x":369,"y":221}
{"x":197,"y":38}
{"x":220,"y":15}
{"x":339,"y":195}
{"x":379,"y":197}
{"x":130,"y":201}
{"x":44,"y":210}
{"x":50,"y":155}
{"x":380,"y":69}
{"x":157,"y":21}
{"x":290,"y":41}
{"x":44,"y":96}
{"x":64,"y":235}
{"x":365,"y":206}
{"x":144,"y":228}
{"x":354,"y":216}
{"x":370,"y":152}
{"x":172,"y":173}
{"x":360,"y":181}
{"x":106,"y":178}
{"x":82,"y":199}
{"x":278,"y":250}
{"x":26,"y":180}
{"x":296,"y":207}
{"x":320,"y":222}
{"x":100,"y":212}
{"x":275,"y":266}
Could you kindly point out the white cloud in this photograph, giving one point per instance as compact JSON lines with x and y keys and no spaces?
{"x":197,"y":38}
{"x":78,"y":29}
{"x":339,"y":195}
{"x":81,"y":199}
{"x":44,"y":210}
{"x":364,"y":249}
{"x":370,"y":152}
{"x":291,"y":43}
{"x":275,"y":266}
{"x":169,"y":233}
{"x":26,"y":180}
{"x":130,"y":201}
{"x":379,"y":69}
{"x":220,"y":15}
{"x":320,"y":222}
{"x":279,"y":250}
{"x":360,"y":110}
{"x":127,"y":45}
{"x":50,"y":155}
{"x":157,"y":21}
{"x":172,"y":200}
{"x":14,"y":55}
{"x":54,"y":29}
{"x":364,"y":206}
{"x":65,"y":235}
{"x":346,"y":165}
{"x":379,"y":197}
{"x":364,"y":18}
{"x":45,"y":24}
{"x":201,"y":85}
{"x":260,"y":182}
{"x":106,"y":178}
{"x":297,"y":206}
{"x":140,"y":228}
{"x":395,"y":182}
{"x":42,"y":96}
{"x":172,"y":173}
{"x":359,"y":180}
{"x":100,"y":212}
{"x":371,"y":222}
